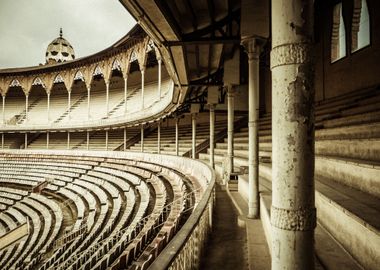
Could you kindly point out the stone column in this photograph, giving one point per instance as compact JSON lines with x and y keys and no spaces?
{"x":88,"y":101}
{"x":230,"y":130}
{"x":26,"y":141}
{"x":125,"y":94}
{"x":176,"y":136}
{"x":159,"y":60}
{"x":47,"y":139}
{"x":26,"y":107}
{"x":125,"y":138}
{"x":69,"y":103}
{"x":293,"y":213}
{"x":68,"y":140}
{"x":3,"y":109}
{"x":2,"y":140}
{"x":106,"y":140}
{"x":194,"y":135}
{"x":252,"y":47}
{"x":88,"y":140}
{"x":48,"y":107}
{"x":142,"y":86}
{"x":107,"y":97}
{"x":159,"y":138}
{"x":142,"y":137}
{"x":212,"y":134}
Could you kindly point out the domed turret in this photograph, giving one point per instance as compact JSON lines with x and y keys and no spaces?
{"x":59,"y":50}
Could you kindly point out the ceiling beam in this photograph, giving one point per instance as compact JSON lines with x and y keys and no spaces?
{"x":205,"y":41}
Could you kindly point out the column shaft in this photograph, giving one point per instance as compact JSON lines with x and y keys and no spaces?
{"x":107,"y":97}
{"x":212,"y":134}
{"x":68,"y":140}
{"x":47,"y":140}
{"x":253,"y":51}
{"x":3,"y":110}
{"x":88,"y":101}
{"x":230,"y":130}
{"x":2,"y":140}
{"x":125,"y":138}
{"x":142,"y":138}
{"x":194,"y":135}
{"x":26,"y":141}
{"x":293,"y":213}
{"x":159,"y":137}
{"x":176,"y":137}
{"x":26,"y":107}
{"x":48,"y":107}
{"x":88,"y":140}
{"x":106,"y":140}
{"x":125,"y":94}
{"x":159,"y":77}
{"x":142,"y":87}
{"x":69,"y":104}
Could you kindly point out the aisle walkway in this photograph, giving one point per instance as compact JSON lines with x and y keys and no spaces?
{"x":227,"y":247}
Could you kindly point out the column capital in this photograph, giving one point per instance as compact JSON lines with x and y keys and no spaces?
{"x":211,"y":106}
{"x":252,"y":46}
{"x":230,"y":89}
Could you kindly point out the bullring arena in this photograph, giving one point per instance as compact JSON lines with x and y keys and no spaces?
{"x":213,"y":135}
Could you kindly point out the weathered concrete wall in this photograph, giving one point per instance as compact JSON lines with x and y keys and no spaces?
{"x":355,"y":71}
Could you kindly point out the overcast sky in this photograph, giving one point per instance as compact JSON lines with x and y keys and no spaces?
{"x":28,"y":26}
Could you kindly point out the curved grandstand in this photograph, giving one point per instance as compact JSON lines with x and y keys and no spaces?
{"x":199,"y":120}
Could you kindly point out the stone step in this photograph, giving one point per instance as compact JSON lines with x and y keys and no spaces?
{"x":355,"y":173}
{"x":351,"y":216}
{"x":329,"y":252}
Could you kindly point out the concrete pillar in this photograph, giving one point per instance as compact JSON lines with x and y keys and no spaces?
{"x":26,"y":141}
{"x":107,"y":97}
{"x":125,"y":138}
{"x":2,"y":140}
{"x":106,"y":140}
{"x":194,"y":135}
{"x":88,"y":140}
{"x":230,"y":130}
{"x":3,"y":109}
{"x":252,"y":47}
{"x":88,"y":101}
{"x":68,"y":140}
{"x":142,"y":87}
{"x":125,"y":94}
{"x":26,"y":107}
{"x":48,"y":107}
{"x":69,"y":103}
{"x":47,"y":139}
{"x":159,"y":60}
{"x":176,"y":136}
{"x":142,"y":137}
{"x":212,"y":134}
{"x":293,"y":213}
{"x":159,"y":138}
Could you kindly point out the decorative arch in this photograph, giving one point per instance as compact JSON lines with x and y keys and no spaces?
{"x":59,"y":79}
{"x":98,"y":71}
{"x":38,"y":81}
{"x":78,"y":76}
{"x":116,"y":65}
{"x":15,"y":83}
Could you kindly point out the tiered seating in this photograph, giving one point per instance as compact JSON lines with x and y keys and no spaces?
{"x":112,"y":211}
{"x":184,"y":137}
{"x":346,"y":173}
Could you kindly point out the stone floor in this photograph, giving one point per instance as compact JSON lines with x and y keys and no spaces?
{"x":236,"y":242}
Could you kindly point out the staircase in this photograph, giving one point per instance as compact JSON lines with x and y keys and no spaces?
{"x":73,"y":106}
{"x":22,"y":116}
